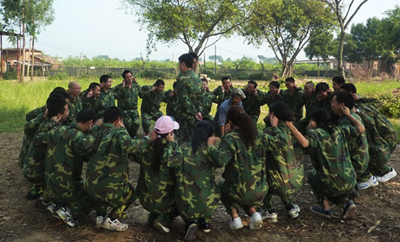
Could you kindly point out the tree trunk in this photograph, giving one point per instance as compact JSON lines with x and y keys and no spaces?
{"x":318,"y":67}
{"x":29,"y":54}
{"x":23,"y":53}
{"x":340,"y":53}
{"x":33,"y":57}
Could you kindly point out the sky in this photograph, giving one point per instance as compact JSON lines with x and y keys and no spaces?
{"x":106,"y":27}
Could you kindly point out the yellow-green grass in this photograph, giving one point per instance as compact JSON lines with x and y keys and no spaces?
{"x":16,"y":99}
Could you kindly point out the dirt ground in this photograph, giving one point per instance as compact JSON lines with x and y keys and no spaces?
{"x":377,"y":218}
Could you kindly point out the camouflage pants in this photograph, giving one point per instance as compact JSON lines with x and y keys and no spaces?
{"x":119,"y":200}
{"x":131,"y":121}
{"x":378,"y":160}
{"x":229,"y":202}
{"x":165,"y":218}
{"x":26,"y":142}
{"x":34,"y":172}
{"x":321,"y":190}
{"x":186,"y":129}
{"x":146,"y":119}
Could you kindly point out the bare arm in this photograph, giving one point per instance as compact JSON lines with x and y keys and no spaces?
{"x":300,"y":138}
{"x":354,"y":121}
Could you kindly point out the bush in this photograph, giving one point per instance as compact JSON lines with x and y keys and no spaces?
{"x":12,"y":75}
{"x":59,"y":76}
{"x":390,"y":106}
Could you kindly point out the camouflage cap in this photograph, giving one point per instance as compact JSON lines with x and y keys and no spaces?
{"x":237,"y":91}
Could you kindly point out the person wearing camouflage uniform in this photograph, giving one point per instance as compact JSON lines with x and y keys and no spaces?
{"x":195,"y":189}
{"x":75,"y":103}
{"x":273,"y":94}
{"x":253,"y":101}
{"x":333,"y":177}
{"x":242,"y":152}
{"x":311,"y":103}
{"x":155,"y":186}
{"x":223,"y":92}
{"x":285,"y":172}
{"x":207,"y":101}
{"x":106,"y":98}
{"x":108,"y":171}
{"x":172,"y":101}
{"x":33,"y":167}
{"x":381,"y":136}
{"x":127,"y":94}
{"x":67,"y":148}
{"x":294,"y":98}
{"x":358,"y":145}
{"x":189,"y":91}
{"x":152,"y":96}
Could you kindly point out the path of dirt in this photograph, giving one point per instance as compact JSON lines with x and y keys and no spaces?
{"x":21,"y":221}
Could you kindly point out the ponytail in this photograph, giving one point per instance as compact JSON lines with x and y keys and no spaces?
{"x":158,"y":151}
{"x":247,"y":129}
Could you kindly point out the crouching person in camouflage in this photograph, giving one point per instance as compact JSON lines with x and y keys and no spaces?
{"x":333,"y":177}
{"x":195,"y":189}
{"x":67,"y":149}
{"x":108,"y":171}
{"x":242,"y":152}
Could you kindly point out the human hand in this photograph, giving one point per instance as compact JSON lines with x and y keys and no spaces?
{"x":273,"y":120}
{"x":99,"y":122}
{"x":346,"y":110}
{"x":90,"y":94}
{"x":57,"y":118}
{"x":45,"y":113}
{"x":199,"y":116}
{"x":355,"y":96}
{"x":119,"y":124}
{"x":211,"y":141}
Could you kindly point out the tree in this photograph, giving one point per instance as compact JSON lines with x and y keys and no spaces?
{"x":194,"y":23}
{"x":344,"y":18}
{"x":321,"y":46}
{"x":287,"y":26}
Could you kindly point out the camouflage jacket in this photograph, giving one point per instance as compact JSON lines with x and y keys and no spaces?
{"x":269,"y":99}
{"x":151,"y":101}
{"x":245,"y":169}
{"x":331,"y":159}
{"x":105,"y":100}
{"x":108,"y":169}
{"x":195,"y":189}
{"x":220,"y":96}
{"x":67,"y":148}
{"x":252,"y":103}
{"x":311,"y":103}
{"x":189,"y":91}
{"x":294,"y":101}
{"x":172,"y":104}
{"x":74,"y":106}
{"x":127,"y":98}
{"x":285,"y":172}
{"x":207,"y":104}
{"x":35,"y":112}
{"x":358,"y":145}
{"x":156,"y":188}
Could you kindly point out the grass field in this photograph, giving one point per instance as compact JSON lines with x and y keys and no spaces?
{"x":16,"y":99}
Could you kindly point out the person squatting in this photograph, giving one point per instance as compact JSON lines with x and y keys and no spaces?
{"x":348,"y":140}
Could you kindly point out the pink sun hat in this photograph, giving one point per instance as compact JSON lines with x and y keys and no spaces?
{"x":165,"y":125}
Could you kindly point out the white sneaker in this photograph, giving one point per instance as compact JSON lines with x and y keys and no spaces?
{"x":272,"y":217}
{"x":52,"y":208}
{"x":256,"y":221}
{"x":372,"y":182}
{"x":115,"y":225}
{"x":161,"y":227}
{"x":66,"y":216}
{"x":387,"y":176}
{"x":99,"y":221}
{"x":236,"y":223}
{"x":295,"y":211}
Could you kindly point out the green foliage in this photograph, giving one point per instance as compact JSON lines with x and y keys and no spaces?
{"x":320,"y":46}
{"x":390,"y":106}
{"x":192,"y":22}
{"x":12,"y":75}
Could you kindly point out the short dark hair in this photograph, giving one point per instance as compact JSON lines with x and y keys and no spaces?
{"x":104,"y":78}
{"x":55,"y":105}
{"x":346,"y":98}
{"x":253,"y":82}
{"x":321,"y":87}
{"x":194,"y":55}
{"x":275,"y":84}
{"x":203,"y":79}
{"x":86,"y":115}
{"x":159,"y":82}
{"x":187,"y":59}
{"x":111,"y":114}
{"x":281,"y":111}
{"x":339,"y":80}
{"x":174,"y":85}
{"x":349,"y":87}
{"x":126,"y":72}
{"x":290,"y":79}
{"x":225,"y":78}
{"x":311,"y":83}
{"x":57,"y":90}
{"x":93,"y":85}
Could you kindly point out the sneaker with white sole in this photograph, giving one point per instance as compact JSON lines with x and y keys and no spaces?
{"x":115,"y":225}
{"x":372,"y":182}
{"x":294,"y":212}
{"x":236,"y":223}
{"x":160,"y":226}
{"x":272,"y":217}
{"x":392,"y":173}
{"x":256,"y":221}
{"x":191,"y":231}
{"x":99,"y":221}
{"x":52,"y":208}
{"x":66,"y":216}
{"x":349,"y":210}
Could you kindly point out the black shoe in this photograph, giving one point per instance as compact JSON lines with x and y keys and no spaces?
{"x":204,"y":226}
{"x":191,"y":232}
